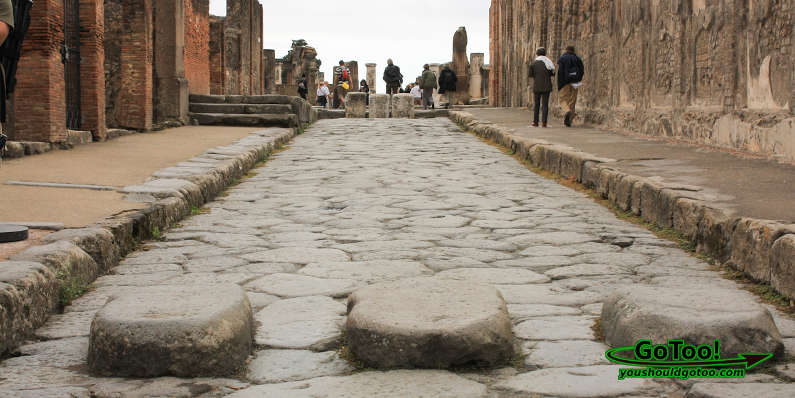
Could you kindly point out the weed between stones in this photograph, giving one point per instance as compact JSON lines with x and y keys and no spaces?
{"x":765,"y":292}
{"x":71,"y":288}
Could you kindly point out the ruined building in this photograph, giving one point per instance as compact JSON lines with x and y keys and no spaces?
{"x":91,"y":64}
{"x":473,"y":75}
{"x":714,"y":72}
{"x":300,"y":61}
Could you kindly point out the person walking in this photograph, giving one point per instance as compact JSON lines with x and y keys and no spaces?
{"x":416,"y":93}
{"x":322,"y":94}
{"x":342,"y":78}
{"x":570,"y":74}
{"x":541,"y":71}
{"x":428,"y":83}
{"x":392,"y":77}
{"x":447,"y":83}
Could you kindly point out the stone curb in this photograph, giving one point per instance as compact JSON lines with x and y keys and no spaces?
{"x":31,"y":283}
{"x":762,"y":249}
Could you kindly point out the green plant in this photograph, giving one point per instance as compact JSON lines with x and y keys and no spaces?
{"x":155,"y":233}
{"x":71,"y":287}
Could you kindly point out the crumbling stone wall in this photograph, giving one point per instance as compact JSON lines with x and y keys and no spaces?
{"x":300,"y":60}
{"x":197,"y":46}
{"x":243,"y":47}
{"x":217,"y":61}
{"x":714,"y":72}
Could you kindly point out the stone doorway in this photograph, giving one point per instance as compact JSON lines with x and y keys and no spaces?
{"x":70,"y":56}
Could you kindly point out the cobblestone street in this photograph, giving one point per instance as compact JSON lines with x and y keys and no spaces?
{"x":353,"y":202}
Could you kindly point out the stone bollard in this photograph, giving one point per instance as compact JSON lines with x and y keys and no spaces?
{"x":403,"y":106}
{"x":356,"y":105}
{"x":379,"y":106}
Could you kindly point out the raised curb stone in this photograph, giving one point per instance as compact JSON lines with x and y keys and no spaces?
{"x":379,"y":106}
{"x":184,"y":331}
{"x":355,"y":105}
{"x":428,"y":323}
{"x":699,"y":316}
{"x":403,"y":106}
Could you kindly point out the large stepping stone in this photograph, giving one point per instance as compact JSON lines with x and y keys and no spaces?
{"x":184,"y":331}
{"x":428,"y":323}
{"x":699,"y":316}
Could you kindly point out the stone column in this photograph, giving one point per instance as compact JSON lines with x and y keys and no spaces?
{"x":269,"y":71}
{"x":355,"y":105}
{"x":354,"y":67}
{"x":371,"y":77}
{"x":437,"y":70}
{"x":171,"y":87}
{"x":277,"y":71}
{"x":460,"y":67}
{"x":379,"y":106}
{"x":403,"y":106}
{"x":475,"y":78}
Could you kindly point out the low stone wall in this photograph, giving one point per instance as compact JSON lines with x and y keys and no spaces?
{"x":762,"y":249}
{"x":33,"y":282}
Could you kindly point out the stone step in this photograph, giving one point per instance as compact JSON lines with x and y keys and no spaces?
{"x":240,"y":108}
{"x":184,"y":331}
{"x":240,"y":99}
{"x":236,"y":119}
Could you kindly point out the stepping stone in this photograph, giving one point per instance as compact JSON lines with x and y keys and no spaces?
{"x":184,"y":331}
{"x":394,"y":384}
{"x":428,"y":323}
{"x":697,"y":315}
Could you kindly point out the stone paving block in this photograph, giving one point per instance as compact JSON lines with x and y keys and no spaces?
{"x":699,"y":316}
{"x":394,"y":384}
{"x":590,"y":381}
{"x":185,"y":331}
{"x":292,"y":285}
{"x":514,"y":276}
{"x":301,"y":323}
{"x":277,"y":366}
{"x":556,"y":328}
{"x":565,"y":353}
{"x":367,"y":271}
{"x":741,"y":390}
{"x":428,"y":323}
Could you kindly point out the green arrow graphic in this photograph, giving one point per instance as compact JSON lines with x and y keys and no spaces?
{"x":749,"y":360}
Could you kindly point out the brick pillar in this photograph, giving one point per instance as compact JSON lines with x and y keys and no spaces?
{"x":197,"y":45}
{"x":171,"y":87}
{"x":217,"y":64}
{"x":40,"y":97}
{"x":238,"y":46}
{"x":92,"y":67}
{"x":135,"y":95}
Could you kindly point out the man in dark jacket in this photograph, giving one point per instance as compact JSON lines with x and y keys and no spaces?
{"x":392,"y":77}
{"x":447,"y":82}
{"x":541,"y":71}
{"x":570,"y":73}
{"x":428,"y":84}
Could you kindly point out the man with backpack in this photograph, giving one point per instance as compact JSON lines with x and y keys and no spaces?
{"x":392,"y":77}
{"x":447,"y":83}
{"x":342,"y":76}
{"x":428,"y":84}
{"x":570,"y":74}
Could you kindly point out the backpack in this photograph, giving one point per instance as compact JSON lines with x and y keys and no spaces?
{"x":344,"y":74}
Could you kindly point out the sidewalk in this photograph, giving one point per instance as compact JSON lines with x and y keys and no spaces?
{"x":128,"y":160}
{"x":739,"y":185}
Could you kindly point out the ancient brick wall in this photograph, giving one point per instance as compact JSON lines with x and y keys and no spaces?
{"x":217,"y":63}
{"x":197,"y":45}
{"x":706,"y":71}
{"x":40,"y":99}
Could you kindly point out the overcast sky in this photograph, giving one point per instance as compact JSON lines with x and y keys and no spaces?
{"x":411,"y":32}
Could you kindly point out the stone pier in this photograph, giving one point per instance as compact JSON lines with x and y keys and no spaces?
{"x":356,"y":105}
{"x":371,"y":77}
{"x":379,"y":105}
{"x":460,"y":67}
{"x":475,"y":77}
{"x":403,"y":106}
{"x":171,"y":87}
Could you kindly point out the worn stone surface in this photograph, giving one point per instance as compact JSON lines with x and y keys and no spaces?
{"x":698,"y":316}
{"x":733,"y":390}
{"x":380,"y":105}
{"x":276,"y":366}
{"x":356,"y":105}
{"x":591,"y":381}
{"x":428,"y":323}
{"x":29,"y":292}
{"x":402,"y":106}
{"x":368,"y":201}
{"x":394,"y":384}
{"x":301,"y":323}
{"x":172,"y":330}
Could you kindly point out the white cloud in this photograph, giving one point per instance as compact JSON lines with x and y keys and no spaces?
{"x":411,"y":32}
